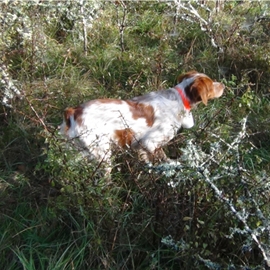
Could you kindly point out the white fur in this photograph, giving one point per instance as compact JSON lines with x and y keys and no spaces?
{"x":100,"y":119}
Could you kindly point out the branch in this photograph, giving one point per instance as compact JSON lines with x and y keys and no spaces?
{"x":222,"y":197}
{"x":122,"y":23}
{"x":192,"y":15}
{"x":7,"y":86}
{"x":85,"y":41}
{"x":240,"y":217}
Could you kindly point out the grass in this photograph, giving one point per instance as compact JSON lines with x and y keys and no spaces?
{"x":58,"y":212}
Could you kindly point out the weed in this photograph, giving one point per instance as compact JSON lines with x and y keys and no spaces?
{"x":210,"y":210}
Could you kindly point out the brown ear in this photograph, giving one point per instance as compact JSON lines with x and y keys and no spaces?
{"x":203,"y":93}
{"x":198,"y":92}
{"x":204,"y":88}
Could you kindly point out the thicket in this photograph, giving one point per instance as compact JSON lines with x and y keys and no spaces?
{"x":211,"y":211}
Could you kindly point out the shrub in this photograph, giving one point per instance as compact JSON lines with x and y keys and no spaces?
{"x":209,"y":210}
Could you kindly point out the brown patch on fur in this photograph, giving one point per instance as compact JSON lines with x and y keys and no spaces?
{"x":124,"y":137}
{"x":76,"y":113}
{"x":187,"y":75}
{"x":205,"y":88}
{"x":140,"y":110}
{"x":110,"y":100}
{"x":67,"y":113}
{"x":201,"y":89}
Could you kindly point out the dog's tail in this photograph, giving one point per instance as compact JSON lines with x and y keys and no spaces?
{"x":69,"y":118}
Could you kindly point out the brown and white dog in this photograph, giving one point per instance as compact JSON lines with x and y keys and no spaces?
{"x":145,"y":123}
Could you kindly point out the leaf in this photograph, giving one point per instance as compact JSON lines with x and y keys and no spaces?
{"x":187,"y":218}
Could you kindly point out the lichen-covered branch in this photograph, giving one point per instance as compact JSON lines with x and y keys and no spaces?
{"x":217,"y":164}
{"x":191,"y":14}
{"x":8,"y":89}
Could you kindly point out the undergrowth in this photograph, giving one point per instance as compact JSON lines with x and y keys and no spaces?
{"x":208,"y":210}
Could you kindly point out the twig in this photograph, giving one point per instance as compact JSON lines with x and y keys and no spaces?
{"x":122,"y":24}
{"x":35,"y":112}
{"x":85,"y":41}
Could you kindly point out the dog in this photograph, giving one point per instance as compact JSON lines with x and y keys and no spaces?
{"x":145,"y":123}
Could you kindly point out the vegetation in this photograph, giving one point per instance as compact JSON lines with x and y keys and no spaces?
{"x":209,"y":212}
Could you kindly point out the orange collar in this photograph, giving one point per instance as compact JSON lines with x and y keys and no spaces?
{"x":184,"y":98}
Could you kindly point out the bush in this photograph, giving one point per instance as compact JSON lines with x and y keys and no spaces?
{"x":209,"y":210}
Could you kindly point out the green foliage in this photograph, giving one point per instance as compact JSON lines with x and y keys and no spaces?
{"x":58,"y":211}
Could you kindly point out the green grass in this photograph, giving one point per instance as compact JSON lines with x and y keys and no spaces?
{"x":58,"y":211}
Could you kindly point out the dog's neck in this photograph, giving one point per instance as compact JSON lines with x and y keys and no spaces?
{"x":183,"y":96}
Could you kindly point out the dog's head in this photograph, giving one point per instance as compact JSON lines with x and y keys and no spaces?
{"x":199,"y":87}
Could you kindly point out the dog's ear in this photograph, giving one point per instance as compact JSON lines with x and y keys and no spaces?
{"x":207,"y":89}
{"x":203,"y":92}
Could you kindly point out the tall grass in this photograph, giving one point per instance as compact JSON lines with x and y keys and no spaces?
{"x":58,"y":211}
